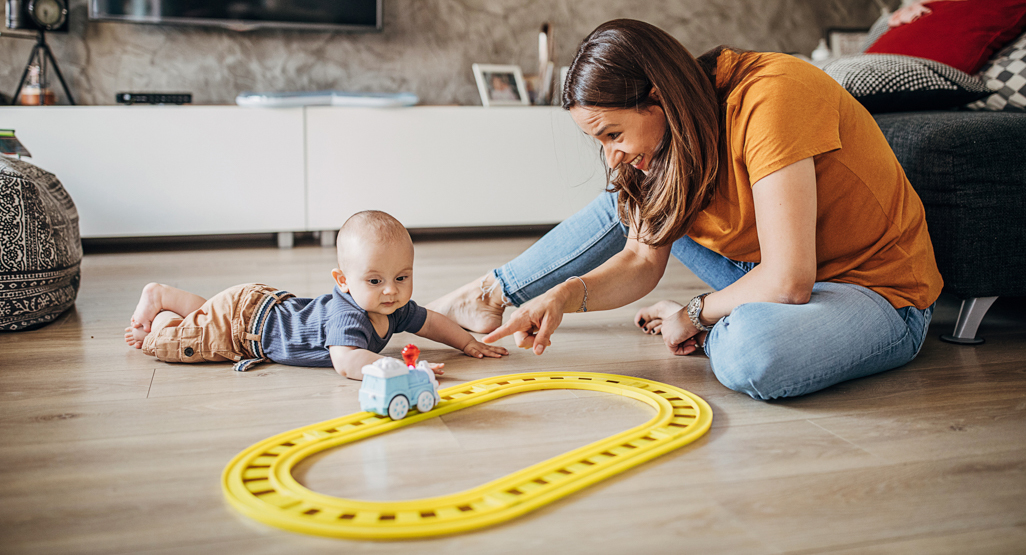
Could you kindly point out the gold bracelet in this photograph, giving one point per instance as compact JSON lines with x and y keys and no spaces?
{"x":584,"y":301}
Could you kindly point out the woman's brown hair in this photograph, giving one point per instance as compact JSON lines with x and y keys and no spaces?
{"x":616,"y":67}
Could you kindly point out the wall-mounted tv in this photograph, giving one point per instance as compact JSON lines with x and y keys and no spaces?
{"x":246,"y":15}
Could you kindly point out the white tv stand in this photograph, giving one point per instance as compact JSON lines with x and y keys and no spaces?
{"x":147,"y":171}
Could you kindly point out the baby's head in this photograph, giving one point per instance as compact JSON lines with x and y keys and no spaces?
{"x":375,"y":262}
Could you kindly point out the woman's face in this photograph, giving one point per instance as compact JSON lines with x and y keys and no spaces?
{"x":627,"y":136}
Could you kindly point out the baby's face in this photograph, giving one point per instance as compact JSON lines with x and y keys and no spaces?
{"x":379,"y":276}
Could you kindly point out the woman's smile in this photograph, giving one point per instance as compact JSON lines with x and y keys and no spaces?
{"x":623,"y":131}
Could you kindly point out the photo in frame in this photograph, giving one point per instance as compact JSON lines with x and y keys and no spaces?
{"x":845,"y":42}
{"x":501,"y":85}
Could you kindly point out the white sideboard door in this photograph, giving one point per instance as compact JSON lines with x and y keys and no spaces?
{"x":137,"y":171}
{"x":437,"y":166}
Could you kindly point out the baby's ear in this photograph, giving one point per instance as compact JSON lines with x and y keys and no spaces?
{"x":340,"y":280}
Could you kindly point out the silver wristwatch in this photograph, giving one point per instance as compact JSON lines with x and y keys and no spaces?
{"x":694,"y":309}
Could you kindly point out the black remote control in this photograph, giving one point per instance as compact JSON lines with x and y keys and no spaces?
{"x":153,"y":98}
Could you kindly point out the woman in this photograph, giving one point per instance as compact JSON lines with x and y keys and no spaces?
{"x":765,"y":178}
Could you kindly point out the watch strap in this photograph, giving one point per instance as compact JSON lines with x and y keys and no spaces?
{"x":694,"y":310}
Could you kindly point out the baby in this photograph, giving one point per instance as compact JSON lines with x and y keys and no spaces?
{"x":247,"y":324}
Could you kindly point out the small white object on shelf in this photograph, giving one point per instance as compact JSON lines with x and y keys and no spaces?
{"x":325,"y":98}
{"x":822,"y":52}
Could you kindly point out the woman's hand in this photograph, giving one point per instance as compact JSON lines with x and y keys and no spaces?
{"x":534,"y":322}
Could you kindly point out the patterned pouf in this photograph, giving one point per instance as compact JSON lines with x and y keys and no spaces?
{"x":40,"y":247}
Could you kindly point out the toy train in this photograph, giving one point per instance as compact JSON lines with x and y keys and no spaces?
{"x":390,"y":387}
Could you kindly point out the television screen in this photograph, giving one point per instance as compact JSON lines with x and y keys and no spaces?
{"x":246,"y":15}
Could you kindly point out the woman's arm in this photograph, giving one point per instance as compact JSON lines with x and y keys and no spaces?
{"x":626,"y":277}
{"x":785,"y":214}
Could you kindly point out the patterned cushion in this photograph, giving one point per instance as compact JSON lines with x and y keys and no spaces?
{"x":877,"y":30}
{"x":893,"y":83}
{"x":40,"y":248}
{"x":1005,"y":73}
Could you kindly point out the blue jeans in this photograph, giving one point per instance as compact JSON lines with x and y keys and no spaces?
{"x":767,"y":350}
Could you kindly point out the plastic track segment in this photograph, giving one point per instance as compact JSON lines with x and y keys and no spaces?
{"x":259,"y":483}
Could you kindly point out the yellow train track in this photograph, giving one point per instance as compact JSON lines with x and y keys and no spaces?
{"x":259,"y":482}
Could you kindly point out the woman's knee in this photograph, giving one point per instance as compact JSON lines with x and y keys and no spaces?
{"x":748,"y":356}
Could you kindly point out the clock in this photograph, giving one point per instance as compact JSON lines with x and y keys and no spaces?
{"x":48,"y":14}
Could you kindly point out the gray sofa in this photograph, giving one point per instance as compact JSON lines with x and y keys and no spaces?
{"x":969,"y":168}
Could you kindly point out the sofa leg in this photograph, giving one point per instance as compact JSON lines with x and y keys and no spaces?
{"x":969,"y":318}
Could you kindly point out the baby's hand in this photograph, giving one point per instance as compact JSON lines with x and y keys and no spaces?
{"x":480,"y":350}
{"x":436,"y":367}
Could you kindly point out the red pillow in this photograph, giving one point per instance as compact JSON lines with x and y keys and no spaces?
{"x":963,"y":34}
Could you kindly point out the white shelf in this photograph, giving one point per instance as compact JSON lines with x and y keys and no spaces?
{"x":141,"y":171}
{"x":449,"y":166}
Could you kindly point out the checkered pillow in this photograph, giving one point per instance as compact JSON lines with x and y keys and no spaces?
{"x":1005,"y":74}
{"x":877,"y":30}
{"x":895,"y":83}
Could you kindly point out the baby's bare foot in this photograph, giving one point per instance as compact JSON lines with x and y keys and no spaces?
{"x":134,"y":337}
{"x":466,"y":307}
{"x":650,"y":318}
{"x":148,"y":308}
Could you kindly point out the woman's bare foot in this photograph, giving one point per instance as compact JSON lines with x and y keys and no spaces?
{"x":477,"y":306}
{"x":650,"y":318}
{"x":134,"y":337}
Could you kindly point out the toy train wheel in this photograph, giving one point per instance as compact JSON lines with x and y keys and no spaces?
{"x":398,"y":407}
{"x":425,"y":401}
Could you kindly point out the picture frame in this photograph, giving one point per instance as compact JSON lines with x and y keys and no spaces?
{"x":845,"y":41}
{"x":501,"y":85}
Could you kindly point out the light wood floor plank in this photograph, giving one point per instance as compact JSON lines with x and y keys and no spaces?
{"x":105,"y":450}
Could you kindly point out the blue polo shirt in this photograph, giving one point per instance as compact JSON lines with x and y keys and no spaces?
{"x":299,"y":331}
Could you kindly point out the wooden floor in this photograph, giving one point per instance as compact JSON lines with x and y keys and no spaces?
{"x":105,"y":450}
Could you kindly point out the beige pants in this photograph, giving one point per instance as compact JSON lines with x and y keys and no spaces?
{"x":216,"y":332}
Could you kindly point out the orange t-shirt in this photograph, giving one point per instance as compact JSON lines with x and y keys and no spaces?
{"x":870,"y":223}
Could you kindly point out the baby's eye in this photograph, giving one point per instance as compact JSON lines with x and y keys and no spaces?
{"x":402,"y":278}
{"x":374,"y":281}
{"x":614,"y":136}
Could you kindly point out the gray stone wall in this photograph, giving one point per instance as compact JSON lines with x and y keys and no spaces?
{"x":427,"y":46}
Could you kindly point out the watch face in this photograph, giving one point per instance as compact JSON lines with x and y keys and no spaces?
{"x":48,"y":13}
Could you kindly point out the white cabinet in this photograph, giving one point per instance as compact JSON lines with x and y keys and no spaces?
{"x":449,"y":166}
{"x":170,"y":170}
{"x":139,"y":171}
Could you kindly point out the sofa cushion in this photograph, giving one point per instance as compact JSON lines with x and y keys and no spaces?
{"x":970,"y":172}
{"x":891,"y":83}
{"x":963,"y":34}
{"x":876,"y":31}
{"x":40,"y":248}
{"x":1005,"y":74}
